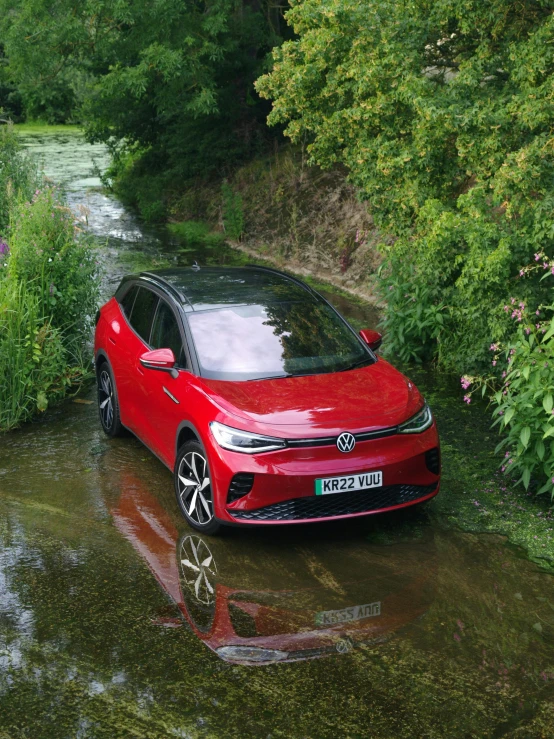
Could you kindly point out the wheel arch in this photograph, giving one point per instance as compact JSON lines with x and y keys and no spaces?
{"x":186,"y":431}
{"x":100,"y":358}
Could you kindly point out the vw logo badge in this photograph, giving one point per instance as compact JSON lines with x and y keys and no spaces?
{"x":346,"y":442}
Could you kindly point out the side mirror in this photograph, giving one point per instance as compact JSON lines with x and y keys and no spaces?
{"x":159,"y":359}
{"x":372,"y":338}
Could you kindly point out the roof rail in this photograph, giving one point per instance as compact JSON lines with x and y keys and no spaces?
{"x":156,"y":278}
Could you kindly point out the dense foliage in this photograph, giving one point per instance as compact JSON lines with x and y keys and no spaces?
{"x":169,"y":84}
{"x":48,"y":290}
{"x":442,"y":112}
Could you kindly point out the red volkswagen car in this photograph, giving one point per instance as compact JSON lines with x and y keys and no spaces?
{"x":260,"y":398}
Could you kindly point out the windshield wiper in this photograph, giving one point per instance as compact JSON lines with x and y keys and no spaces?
{"x":269,"y":377}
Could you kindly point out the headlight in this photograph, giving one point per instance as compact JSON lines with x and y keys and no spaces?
{"x":418,"y":423}
{"x":243,"y":441}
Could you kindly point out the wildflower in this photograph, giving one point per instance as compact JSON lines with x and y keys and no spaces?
{"x":537,"y":257}
{"x":457,"y":637}
{"x":506,"y":308}
{"x":504,"y":374}
{"x":494,"y":362}
{"x":4,"y":248}
{"x":521,"y":273}
{"x":467,"y":399}
{"x":493,"y":347}
{"x":527,"y":331}
{"x":466,"y":382}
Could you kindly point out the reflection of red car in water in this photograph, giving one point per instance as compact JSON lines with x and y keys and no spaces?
{"x":255,"y":602}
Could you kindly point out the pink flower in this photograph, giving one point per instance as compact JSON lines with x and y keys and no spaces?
{"x":457,"y":637}
{"x":504,"y":374}
{"x":521,"y":273}
{"x":494,"y":362}
{"x":466,"y":382}
{"x":512,"y":300}
{"x":537,"y":312}
{"x":527,"y":331}
{"x":506,"y":308}
{"x":537,"y":257}
{"x":467,"y":399}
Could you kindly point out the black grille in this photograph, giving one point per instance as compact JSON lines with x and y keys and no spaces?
{"x":240,"y":486}
{"x":433,"y":460}
{"x":337,"y":504}
{"x":330,"y":440}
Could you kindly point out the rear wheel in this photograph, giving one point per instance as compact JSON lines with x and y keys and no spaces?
{"x":193,"y":488}
{"x":108,"y":405}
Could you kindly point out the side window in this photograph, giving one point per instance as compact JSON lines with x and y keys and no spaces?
{"x":166,"y":334}
{"x":127,"y":301}
{"x":143,"y":312}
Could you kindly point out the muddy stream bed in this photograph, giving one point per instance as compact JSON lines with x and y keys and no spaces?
{"x":117,"y":620}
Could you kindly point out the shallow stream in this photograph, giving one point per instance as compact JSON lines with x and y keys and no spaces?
{"x":117,"y":620}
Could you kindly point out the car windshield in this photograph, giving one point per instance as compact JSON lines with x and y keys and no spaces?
{"x":285,"y":338}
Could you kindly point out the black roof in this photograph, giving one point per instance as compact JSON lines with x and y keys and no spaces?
{"x":205,"y":288}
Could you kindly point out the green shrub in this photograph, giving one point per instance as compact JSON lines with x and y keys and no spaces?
{"x":33,"y":360}
{"x":19,"y":175}
{"x":521,"y":389}
{"x":196,"y":233}
{"x":233,"y":214}
{"x":55,"y":261}
{"x":48,"y":291}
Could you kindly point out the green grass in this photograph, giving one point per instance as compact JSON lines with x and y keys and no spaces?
{"x":41,"y":127}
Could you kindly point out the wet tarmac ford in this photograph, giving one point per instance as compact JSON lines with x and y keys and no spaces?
{"x":117,"y":620}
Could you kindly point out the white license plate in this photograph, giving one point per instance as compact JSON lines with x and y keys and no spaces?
{"x":355,"y":613}
{"x":361,"y":481}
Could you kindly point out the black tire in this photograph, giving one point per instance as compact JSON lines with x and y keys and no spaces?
{"x":108,"y":404}
{"x":195,"y":498}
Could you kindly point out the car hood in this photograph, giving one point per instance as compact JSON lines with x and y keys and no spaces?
{"x":370,"y":397}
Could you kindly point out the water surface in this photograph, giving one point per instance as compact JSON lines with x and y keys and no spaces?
{"x":117,"y":620}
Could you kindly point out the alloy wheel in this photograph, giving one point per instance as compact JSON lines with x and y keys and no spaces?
{"x":105,"y":399}
{"x":194,"y":488}
{"x":198,"y":569}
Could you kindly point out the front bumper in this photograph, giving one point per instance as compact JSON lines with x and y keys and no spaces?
{"x":283,"y":490}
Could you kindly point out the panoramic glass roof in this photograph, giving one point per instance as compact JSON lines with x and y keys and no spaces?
{"x":216,"y":287}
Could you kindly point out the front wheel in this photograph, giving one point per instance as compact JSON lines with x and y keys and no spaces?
{"x":108,"y":405}
{"x":193,"y":488}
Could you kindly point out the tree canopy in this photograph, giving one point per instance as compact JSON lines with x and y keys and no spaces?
{"x":173,"y":76}
{"x":442,"y":110}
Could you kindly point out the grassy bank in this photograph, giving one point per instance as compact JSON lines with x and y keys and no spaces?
{"x":48,"y":290}
{"x":274,"y":208}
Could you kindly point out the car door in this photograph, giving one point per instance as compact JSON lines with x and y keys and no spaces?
{"x":131,"y":377}
{"x":167,"y":396}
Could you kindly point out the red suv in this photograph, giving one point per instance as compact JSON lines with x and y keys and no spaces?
{"x":262,"y":400}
